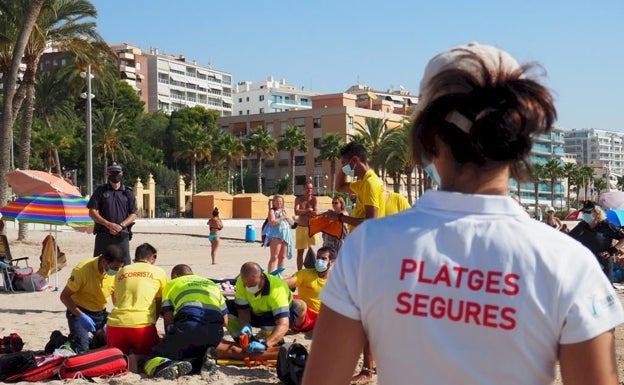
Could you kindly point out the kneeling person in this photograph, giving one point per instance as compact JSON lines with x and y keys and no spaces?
{"x":261,"y":300}
{"x":309,"y":283}
{"x":194,"y":313}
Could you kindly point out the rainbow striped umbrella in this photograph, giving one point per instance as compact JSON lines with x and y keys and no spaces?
{"x":52,"y":208}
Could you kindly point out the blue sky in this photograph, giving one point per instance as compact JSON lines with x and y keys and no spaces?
{"x":328,"y":45}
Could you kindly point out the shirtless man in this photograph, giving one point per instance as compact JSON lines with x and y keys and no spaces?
{"x":305,"y":208}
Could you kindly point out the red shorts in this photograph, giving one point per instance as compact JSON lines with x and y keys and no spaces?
{"x":308,"y":322}
{"x":138,"y":340}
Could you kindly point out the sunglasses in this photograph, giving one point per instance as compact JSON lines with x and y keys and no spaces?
{"x":335,"y":203}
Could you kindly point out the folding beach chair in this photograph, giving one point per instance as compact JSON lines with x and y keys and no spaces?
{"x":9,"y":266}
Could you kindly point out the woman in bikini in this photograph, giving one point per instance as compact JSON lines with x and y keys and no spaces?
{"x":215,"y":226}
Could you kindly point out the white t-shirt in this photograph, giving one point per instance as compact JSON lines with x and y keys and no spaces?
{"x":467,"y":289}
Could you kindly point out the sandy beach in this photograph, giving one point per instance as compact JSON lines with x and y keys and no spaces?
{"x":35,"y":315}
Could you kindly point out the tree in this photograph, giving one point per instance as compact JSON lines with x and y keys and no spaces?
{"x":372,"y":135}
{"x":329,"y":148}
{"x":569,"y":170}
{"x":553,"y":170}
{"x":195,"y":146}
{"x":600,"y":185}
{"x":260,"y":143}
{"x":397,"y":147}
{"x":110,"y":140}
{"x":291,"y":140}
{"x":228,"y":147}
{"x":539,"y":174}
{"x":10,"y":22}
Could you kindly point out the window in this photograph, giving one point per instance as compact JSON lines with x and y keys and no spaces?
{"x":317,"y":142}
{"x":240,"y":112}
{"x":300,"y":160}
{"x":247,"y":112}
{"x":247,"y":98}
{"x":261,"y":97}
{"x":317,"y":122}
{"x":262,"y":110}
{"x":240,"y":100}
{"x":300,"y":180}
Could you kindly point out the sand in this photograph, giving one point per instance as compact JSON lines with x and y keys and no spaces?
{"x":35,"y":315}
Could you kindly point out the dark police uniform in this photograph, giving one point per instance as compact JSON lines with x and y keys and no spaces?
{"x":114,"y":206}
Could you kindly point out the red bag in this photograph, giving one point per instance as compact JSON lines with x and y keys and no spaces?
{"x":11,"y":343}
{"x":108,"y":362}
{"x":47,"y":367}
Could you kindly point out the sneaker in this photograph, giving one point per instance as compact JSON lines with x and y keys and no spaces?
{"x":174,"y":370}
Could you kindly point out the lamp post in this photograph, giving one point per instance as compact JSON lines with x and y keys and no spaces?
{"x":88,"y":96}
{"x":241,"y":166}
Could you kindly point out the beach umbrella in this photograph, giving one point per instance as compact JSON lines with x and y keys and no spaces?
{"x":616,"y":217}
{"x":612,"y":200}
{"x":28,"y":182}
{"x":53,"y":209}
{"x":573,"y":215}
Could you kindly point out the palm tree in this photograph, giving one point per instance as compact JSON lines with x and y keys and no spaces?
{"x":586,"y":175}
{"x":48,"y":141}
{"x":228,"y":147}
{"x":397,"y":148}
{"x":553,"y":170}
{"x":372,"y":136}
{"x":16,"y":28}
{"x":260,"y":143}
{"x":569,"y":169}
{"x":539,"y":174}
{"x":194,"y":145}
{"x":110,"y":140}
{"x":329,"y":148}
{"x":600,"y":185}
{"x":292,"y":139}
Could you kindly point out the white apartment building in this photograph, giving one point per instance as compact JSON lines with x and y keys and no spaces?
{"x":270,"y":96}
{"x":168,"y":82}
{"x":603,"y":150}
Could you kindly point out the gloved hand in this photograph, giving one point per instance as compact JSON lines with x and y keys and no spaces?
{"x":256,"y":346}
{"x":87,"y":323}
{"x":247,"y":330}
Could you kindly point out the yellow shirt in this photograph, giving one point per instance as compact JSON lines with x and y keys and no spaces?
{"x":137,"y":286}
{"x":370,"y":192}
{"x":91,"y":288}
{"x":396,"y":203}
{"x":309,"y":286}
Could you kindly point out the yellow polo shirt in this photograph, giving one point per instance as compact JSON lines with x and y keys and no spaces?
{"x":137,"y":286}
{"x":309,"y":286}
{"x":370,"y":192}
{"x":91,"y":288}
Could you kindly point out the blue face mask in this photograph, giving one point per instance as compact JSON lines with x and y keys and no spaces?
{"x":111,"y":272}
{"x":348,"y":170}
{"x":321,"y":265}
{"x":432,"y":172}
{"x":588,"y":217}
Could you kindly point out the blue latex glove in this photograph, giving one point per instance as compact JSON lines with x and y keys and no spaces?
{"x":256,"y":346}
{"x":87,"y":322}
{"x":247,"y":330}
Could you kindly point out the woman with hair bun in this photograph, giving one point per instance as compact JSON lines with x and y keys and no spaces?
{"x":465,"y":288}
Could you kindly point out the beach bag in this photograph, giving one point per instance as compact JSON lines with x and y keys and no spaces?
{"x":22,"y":279}
{"x":108,"y":362}
{"x":47,"y":367}
{"x":11,"y":343}
{"x":12,"y":364}
{"x":291,"y":360}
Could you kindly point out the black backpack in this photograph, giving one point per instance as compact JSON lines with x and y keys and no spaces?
{"x":291,"y":361}
{"x":15,"y":363}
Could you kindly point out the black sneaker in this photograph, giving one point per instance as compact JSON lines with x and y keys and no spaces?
{"x":174,"y":370}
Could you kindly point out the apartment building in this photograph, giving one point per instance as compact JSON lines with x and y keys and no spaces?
{"x":401,"y":101}
{"x":170,"y":82}
{"x":602,"y":150}
{"x":268,"y":96}
{"x":329,"y":113}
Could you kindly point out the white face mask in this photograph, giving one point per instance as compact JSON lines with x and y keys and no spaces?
{"x":348,"y":170}
{"x":432,"y":172}
{"x":253,"y":289}
{"x":588,"y":217}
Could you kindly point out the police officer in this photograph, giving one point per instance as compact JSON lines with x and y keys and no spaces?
{"x":113,"y":208}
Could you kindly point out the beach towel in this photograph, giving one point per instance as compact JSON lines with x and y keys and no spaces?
{"x":48,"y":253}
{"x":320,"y":223}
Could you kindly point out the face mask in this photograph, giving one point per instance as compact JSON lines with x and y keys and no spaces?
{"x":111,"y":272}
{"x":348,"y":171}
{"x":115,"y":178}
{"x":252,"y":289}
{"x":321,"y":265}
{"x":588,"y":217}
{"x":432,"y":172}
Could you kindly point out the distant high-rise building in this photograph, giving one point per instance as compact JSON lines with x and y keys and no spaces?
{"x":270,"y":96}
{"x":168,"y":82}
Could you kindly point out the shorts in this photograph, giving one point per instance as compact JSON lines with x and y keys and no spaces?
{"x":303,"y":240}
{"x":308,"y":322}
{"x":212,"y":237}
{"x":138,"y":340}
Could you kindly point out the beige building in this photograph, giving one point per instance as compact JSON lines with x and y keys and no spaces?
{"x":331,"y":113}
